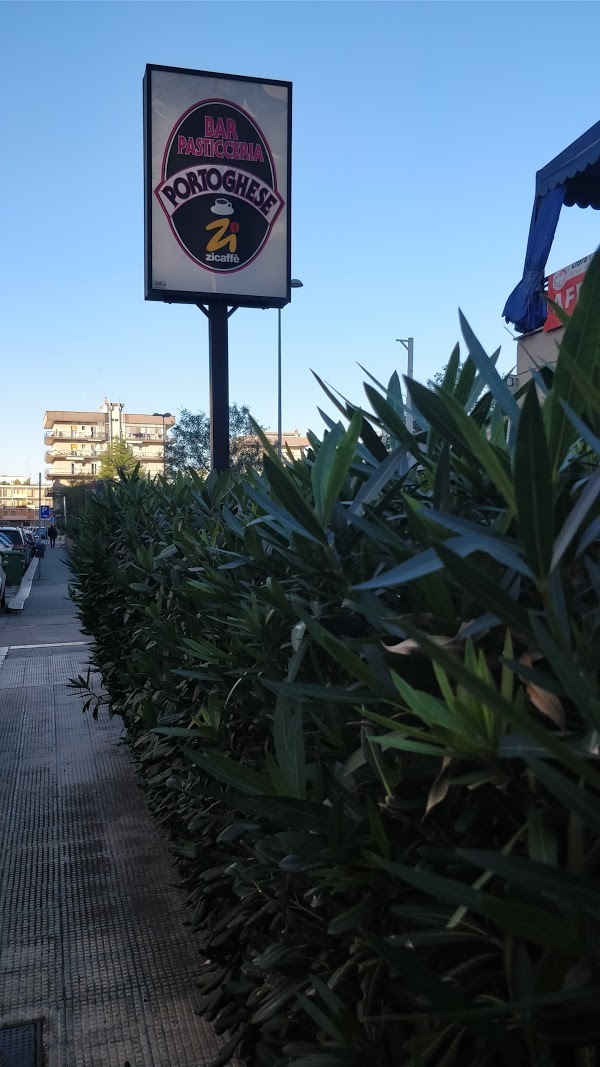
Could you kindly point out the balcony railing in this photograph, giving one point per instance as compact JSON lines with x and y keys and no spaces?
{"x":71,"y":453}
{"x":75,"y":435}
{"x":138,"y":438}
{"x":68,"y":476}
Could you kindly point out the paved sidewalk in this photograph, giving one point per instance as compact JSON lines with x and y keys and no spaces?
{"x":92,"y":939}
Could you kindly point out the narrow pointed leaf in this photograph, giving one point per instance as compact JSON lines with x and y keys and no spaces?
{"x":228,"y":771}
{"x":449,"y":419}
{"x":578,"y":515}
{"x":497,"y":386}
{"x":534,"y":494}
{"x":331,"y":465}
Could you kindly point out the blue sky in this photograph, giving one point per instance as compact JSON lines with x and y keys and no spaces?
{"x":418,"y":128}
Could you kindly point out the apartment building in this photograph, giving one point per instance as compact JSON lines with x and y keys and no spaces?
{"x":294,"y":441}
{"x":76,"y":440}
{"x":20,"y":500}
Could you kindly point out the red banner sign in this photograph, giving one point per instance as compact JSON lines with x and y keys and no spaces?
{"x":563,"y":289}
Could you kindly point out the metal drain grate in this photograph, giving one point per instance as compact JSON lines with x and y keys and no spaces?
{"x":21,"y":1046}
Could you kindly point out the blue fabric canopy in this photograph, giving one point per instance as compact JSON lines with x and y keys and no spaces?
{"x":573,"y":177}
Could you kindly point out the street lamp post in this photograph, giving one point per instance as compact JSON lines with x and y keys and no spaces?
{"x":294,"y":284}
{"x":408,"y":343}
{"x":163,"y":416}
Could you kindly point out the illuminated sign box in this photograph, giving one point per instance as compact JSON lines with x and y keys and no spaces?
{"x":563,"y":289}
{"x":217,"y":174}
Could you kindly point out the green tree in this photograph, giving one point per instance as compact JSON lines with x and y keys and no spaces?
{"x":189,"y":441}
{"x":439,"y":376}
{"x":118,"y":457}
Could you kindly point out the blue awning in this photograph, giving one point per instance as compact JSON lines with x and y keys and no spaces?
{"x":573,"y":177}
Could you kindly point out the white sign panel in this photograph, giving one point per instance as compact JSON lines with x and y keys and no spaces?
{"x":217,"y":186}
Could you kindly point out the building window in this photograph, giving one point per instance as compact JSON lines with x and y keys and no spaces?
{"x":72,"y":468}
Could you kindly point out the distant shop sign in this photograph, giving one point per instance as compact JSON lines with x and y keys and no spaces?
{"x":217,"y":188}
{"x":563,"y":289}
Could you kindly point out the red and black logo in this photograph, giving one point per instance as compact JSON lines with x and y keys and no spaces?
{"x":219,"y":186}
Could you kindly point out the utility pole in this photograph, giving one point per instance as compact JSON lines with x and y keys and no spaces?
{"x":408,"y":343}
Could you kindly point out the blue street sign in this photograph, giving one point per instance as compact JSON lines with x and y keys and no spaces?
{"x":44,"y":512}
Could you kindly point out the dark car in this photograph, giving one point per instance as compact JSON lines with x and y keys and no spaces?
{"x":19,"y":542}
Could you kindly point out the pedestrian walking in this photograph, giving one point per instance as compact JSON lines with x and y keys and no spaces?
{"x":52,"y":535}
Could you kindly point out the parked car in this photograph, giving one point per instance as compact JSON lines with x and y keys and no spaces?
{"x":40,"y":534}
{"x":2,"y":585}
{"x":11,"y":559}
{"x":19,"y":543}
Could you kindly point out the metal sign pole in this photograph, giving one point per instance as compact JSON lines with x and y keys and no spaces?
{"x":218,"y":354}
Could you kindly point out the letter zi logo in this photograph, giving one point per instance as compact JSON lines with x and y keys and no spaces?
{"x":218,"y":186}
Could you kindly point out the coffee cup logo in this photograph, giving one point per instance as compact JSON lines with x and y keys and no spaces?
{"x":222,"y":206}
{"x":218,"y":186}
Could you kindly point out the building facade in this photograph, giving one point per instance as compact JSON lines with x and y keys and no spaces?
{"x":294,"y":441}
{"x":20,"y":500}
{"x":76,"y":440}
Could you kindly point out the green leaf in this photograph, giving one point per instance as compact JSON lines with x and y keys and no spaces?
{"x":289,"y":747}
{"x":339,"y":651}
{"x":509,"y":710}
{"x":528,"y":923}
{"x":170,"y":550}
{"x":322,"y":1021}
{"x":291,"y":813}
{"x":372,"y":442}
{"x":287,"y":520}
{"x":582,"y":428}
{"x":392,"y":422}
{"x":562,"y":315}
{"x":448,"y":417}
{"x":406,"y":745}
{"x":485,"y":366}
{"x":331,"y":466}
{"x":447,"y":890}
{"x":427,"y":708}
{"x":533,"y":486}
{"x":231,"y":773}
{"x":581,"y":343}
{"x":574,"y":683}
{"x":285,"y":488}
{"x":561,"y":886}
{"x":378,"y":833}
{"x":428,"y":562}
{"x":358,"y":915}
{"x":586,"y":385}
{"x":541,"y":837}
{"x":586,"y":501}
{"x":377,"y":481}
{"x":465,"y":383}
{"x":181,"y":731}
{"x":485,"y":590}
{"x":574,"y":797}
{"x":452,"y":368}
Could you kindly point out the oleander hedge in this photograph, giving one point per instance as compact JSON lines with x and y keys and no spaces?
{"x":362,"y":693}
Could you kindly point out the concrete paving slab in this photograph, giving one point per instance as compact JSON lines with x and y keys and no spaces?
{"x":92,"y":935}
